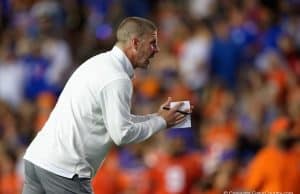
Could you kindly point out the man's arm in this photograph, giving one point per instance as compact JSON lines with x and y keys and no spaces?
{"x":142,"y":118}
{"x":115,"y":100}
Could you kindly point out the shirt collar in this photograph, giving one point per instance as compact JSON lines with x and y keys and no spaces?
{"x":123,"y":59}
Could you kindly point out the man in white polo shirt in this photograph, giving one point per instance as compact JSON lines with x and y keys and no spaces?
{"x":93,"y":113}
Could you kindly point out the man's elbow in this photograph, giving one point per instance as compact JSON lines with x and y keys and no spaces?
{"x":122,"y":138}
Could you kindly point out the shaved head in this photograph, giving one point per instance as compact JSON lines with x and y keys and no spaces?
{"x":134,"y":27}
{"x":137,"y":38}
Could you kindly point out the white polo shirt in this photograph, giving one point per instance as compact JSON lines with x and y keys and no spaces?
{"x":91,"y":114}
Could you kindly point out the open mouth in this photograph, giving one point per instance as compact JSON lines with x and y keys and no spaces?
{"x":151,"y":56}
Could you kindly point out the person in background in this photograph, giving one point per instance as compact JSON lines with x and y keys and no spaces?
{"x":93,"y":112}
{"x":281,"y":175}
{"x":179,"y":167}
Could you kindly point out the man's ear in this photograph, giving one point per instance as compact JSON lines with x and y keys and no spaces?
{"x":135,"y":42}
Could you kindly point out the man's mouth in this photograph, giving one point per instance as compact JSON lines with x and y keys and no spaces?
{"x":151,"y":56}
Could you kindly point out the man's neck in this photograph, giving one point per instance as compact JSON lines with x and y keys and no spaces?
{"x":127,"y":51}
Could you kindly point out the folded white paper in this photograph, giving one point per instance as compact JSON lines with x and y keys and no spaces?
{"x":186,"y":106}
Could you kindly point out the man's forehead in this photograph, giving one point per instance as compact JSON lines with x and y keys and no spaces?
{"x":150,"y":36}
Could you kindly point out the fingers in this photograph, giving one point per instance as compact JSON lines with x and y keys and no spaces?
{"x":179,"y":116}
{"x":174,"y":115}
{"x":167,"y":103}
{"x":179,"y":119}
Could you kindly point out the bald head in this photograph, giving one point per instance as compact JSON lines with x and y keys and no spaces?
{"x":134,"y":27}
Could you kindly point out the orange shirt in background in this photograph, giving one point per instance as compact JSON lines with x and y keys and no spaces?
{"x":107,"y":178}
{"x":134,"y":180}
{"x":10,"y":184}
{"x":273,"y":170}
{"x":175,"y":175}
{"x":292,"y":182}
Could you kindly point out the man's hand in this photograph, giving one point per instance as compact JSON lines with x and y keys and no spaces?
{"x":171,"y":116}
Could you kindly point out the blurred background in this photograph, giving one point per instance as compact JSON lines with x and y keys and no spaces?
{"x":237,"y":61}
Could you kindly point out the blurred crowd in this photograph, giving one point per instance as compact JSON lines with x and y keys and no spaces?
{"x":236,"y":61}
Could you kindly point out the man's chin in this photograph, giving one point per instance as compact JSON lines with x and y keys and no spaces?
{"x":146,"y":64}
